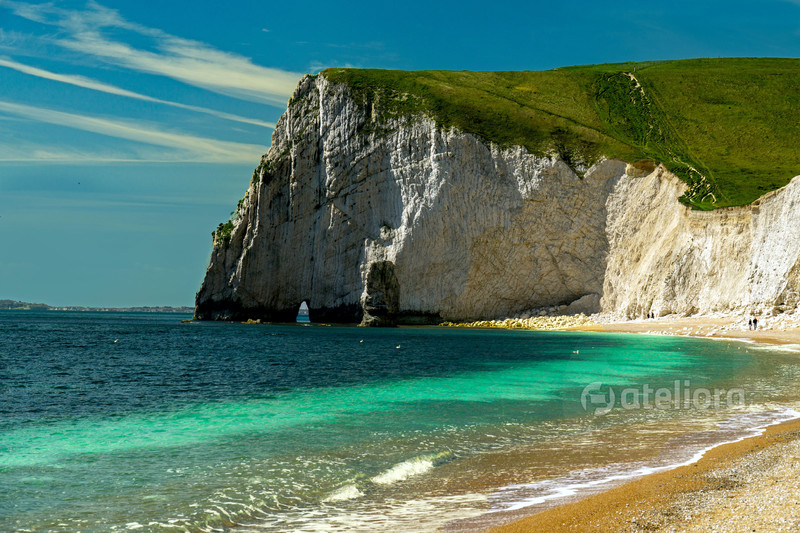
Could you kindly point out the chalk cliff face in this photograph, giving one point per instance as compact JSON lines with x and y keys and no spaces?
{"x":468,"y":230}
{"x":666,"y":258}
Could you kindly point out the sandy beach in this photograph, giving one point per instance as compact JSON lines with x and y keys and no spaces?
{"x":771,"y":330}
{"x":750,"y":485}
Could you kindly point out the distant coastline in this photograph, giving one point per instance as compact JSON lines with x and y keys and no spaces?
{"x":13,"y":305}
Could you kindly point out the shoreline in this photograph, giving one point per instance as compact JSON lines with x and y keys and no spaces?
{"x":747,"y":484}
{"x":778,"y":331}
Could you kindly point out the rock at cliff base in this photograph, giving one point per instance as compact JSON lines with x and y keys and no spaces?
{"x":380,"y":300}
{"x":587,"y":304}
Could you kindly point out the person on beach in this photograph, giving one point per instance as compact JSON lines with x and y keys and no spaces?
{"x":755,"y":323}
{"x":749,"y":323}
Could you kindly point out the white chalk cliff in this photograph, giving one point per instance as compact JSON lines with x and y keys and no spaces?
{"x":474,"y":231}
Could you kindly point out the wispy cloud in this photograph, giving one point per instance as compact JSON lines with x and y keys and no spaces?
{"x":185,"y":60}
{"x":88,"y":83}
{"x":32,"y":152}
{"x":185,"y":147}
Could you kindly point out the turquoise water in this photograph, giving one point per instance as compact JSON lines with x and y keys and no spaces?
{"x":115,"y":422}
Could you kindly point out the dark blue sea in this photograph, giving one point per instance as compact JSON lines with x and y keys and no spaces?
{"x":139,"y":422}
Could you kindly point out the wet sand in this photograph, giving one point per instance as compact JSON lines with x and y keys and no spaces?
{"x":751,"y":485}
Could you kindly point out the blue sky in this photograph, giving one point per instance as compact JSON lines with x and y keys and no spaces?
{"x":128,"y":132}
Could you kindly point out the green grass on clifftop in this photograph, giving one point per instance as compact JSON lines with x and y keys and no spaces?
{"x":728,"y":127}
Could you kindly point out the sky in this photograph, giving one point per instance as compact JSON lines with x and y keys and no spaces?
{"x":128,"y":132}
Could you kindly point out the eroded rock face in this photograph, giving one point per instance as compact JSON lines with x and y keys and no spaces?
{"x":474,"y":231}
{"x":666,"y":258}
{"x":479,"y":232}
{"x":380,"y":301}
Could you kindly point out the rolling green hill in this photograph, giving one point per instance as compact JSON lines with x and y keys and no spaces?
{"x":729,"y":127}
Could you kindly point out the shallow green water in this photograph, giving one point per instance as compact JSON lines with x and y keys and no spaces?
{"x":115,"y":422}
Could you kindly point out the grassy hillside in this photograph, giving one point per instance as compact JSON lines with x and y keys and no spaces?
{"x":728,"y":127}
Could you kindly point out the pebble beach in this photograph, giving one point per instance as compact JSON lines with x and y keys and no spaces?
{"x":750,"y":485}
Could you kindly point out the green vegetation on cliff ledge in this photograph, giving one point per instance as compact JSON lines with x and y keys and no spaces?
{"x":728,"y":127}
{"x":222,"y":234}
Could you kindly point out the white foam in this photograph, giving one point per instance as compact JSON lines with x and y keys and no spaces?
{"x":515,"y":497}
{"x":419,"y":515}
{"x":778,"y":347}
{"x":348,"y":492}
{"x":404,"y":470}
